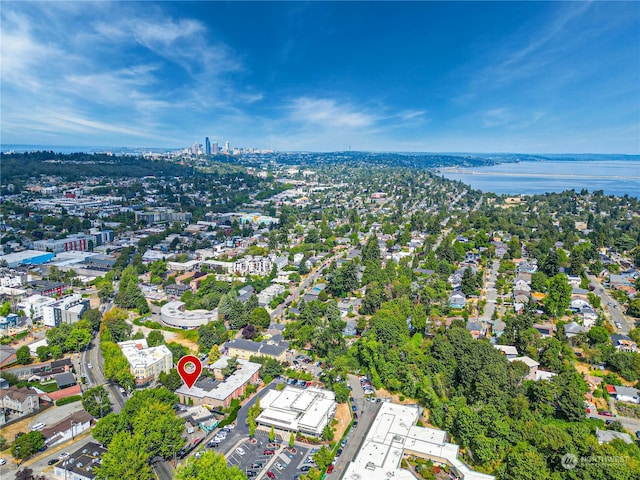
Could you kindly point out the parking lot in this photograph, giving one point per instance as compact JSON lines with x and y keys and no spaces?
{"x":251,"y":458}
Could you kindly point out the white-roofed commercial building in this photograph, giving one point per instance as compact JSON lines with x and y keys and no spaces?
{"x":394,"y":435}
{"x":175,"y":315}
{"x":306,"y":411}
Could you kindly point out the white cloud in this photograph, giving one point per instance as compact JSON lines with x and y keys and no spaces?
{"x":113,"y":77}
{"x":328,"y":113}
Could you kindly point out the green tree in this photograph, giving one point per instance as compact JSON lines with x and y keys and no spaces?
{"x":210,"y":334}
{"x":634,"y":308}
{"x":260,"y":318}
{"x":598,"y":335}
{"x":171,"y":380}
{"x":292,"y":440}
{"x":523,"y":462}
{"x":272,"y":434}
{"x":210,"y":466}
{"x":43,"y":352}
{"x":155,"y":338}
{"x":26,"y":445}
{"x":559,"y":296}
{"x":96,"y":401}
{"x":214,"y":354}
{"x":323,"y":458}
{"x":94,"y":317}
{"x":127,"y":457}
{"x":23,"y":355}
{"x":468,"y":285}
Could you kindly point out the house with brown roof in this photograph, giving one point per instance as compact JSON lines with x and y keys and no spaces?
{"x":21,"y":400}
{"x":67,"y":428}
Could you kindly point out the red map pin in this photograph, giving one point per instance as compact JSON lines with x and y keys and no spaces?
{"x":189,"y":368}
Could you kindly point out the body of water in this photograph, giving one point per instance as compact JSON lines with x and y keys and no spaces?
{"x":614,"y":177}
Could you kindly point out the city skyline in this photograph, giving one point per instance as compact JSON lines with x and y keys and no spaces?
{"x":432,"y":77}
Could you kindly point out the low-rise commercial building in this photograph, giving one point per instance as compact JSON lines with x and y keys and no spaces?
{"x":307,"y":411}
{"x":220,"y":391}
{"x":81,"y":464}
{"x":175,"y":315}
{"x":394,"y":436}
{"x":146,"y":363}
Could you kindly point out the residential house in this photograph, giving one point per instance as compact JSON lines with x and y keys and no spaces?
{"x":64,"y":380}
{"x":627,"y":394}
{"x":245,"y":349}
{"x":573,"y":329}
{"x":508,"y":351}
{"x":21,"y":400}
{"x":623,"y":343}
{"x":176,"y":289}
{"x":350,"y":329}
{"x":529,"y":362}
{"x":475,"y":328}
{"x":608,"y":436}
{"x":545,"y":329}
{"x":457,"y":300}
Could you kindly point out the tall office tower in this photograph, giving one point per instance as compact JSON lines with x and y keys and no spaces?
{"x":226,"y":146}
{"x":207,"y":146}
{"x":216,"y":148}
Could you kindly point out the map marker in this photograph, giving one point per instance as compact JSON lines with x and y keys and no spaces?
{"x":189,"y":368}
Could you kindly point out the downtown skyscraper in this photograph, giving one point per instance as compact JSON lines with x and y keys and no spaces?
{"x":207,"y":146}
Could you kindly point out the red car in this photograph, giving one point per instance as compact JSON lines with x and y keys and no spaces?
{"x":606,"y":414}
{"x":269,"y":452}
{"x":330,"y":469}
{"x":270,"y":474}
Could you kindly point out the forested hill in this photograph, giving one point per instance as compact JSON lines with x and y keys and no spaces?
{"x":76,"y":166}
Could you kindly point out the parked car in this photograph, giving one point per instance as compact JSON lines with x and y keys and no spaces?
{"x":606,"y":414}
{"x":63,"y":455}
{"x":268,"y":452}
{"x":38,"y":426}
{"x":609,"y":422}
{"x":330,"y":469}
{"x":355,"y":415}
{"x":256,"y":465}
{"x":271,"y":475}
{"x":305,"y":468}
{"x":53,"y":461}
{"x":2,"y":461}
{"x":354,"y":408}
{"x":240,"y":451}
{"x":251,"y":473}
{"x":278,"y":465}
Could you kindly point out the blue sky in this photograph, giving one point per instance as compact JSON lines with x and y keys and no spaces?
{"x":538,"y":77}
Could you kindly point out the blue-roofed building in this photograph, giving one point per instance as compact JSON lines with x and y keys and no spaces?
{"x":28,"y":257}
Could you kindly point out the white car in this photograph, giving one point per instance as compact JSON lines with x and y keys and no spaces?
{"x":2,"y":461}
{"x":240,"y":450}
{"x":89,"y":365}
{"x":63,"y":455}
{"x":38,"y":426}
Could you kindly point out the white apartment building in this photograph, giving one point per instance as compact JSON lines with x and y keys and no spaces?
{"x":33,"y":305}
{"x":146,"y":363}
{"x":269,"y":293}
{"x":66,"y":310}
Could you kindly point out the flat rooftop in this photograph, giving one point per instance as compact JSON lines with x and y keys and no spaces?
{"x":393,"y":435}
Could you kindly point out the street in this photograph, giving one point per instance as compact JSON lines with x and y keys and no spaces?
{"x":612,"y":307}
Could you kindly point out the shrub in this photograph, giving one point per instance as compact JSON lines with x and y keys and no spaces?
{"x":71,"y":399}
